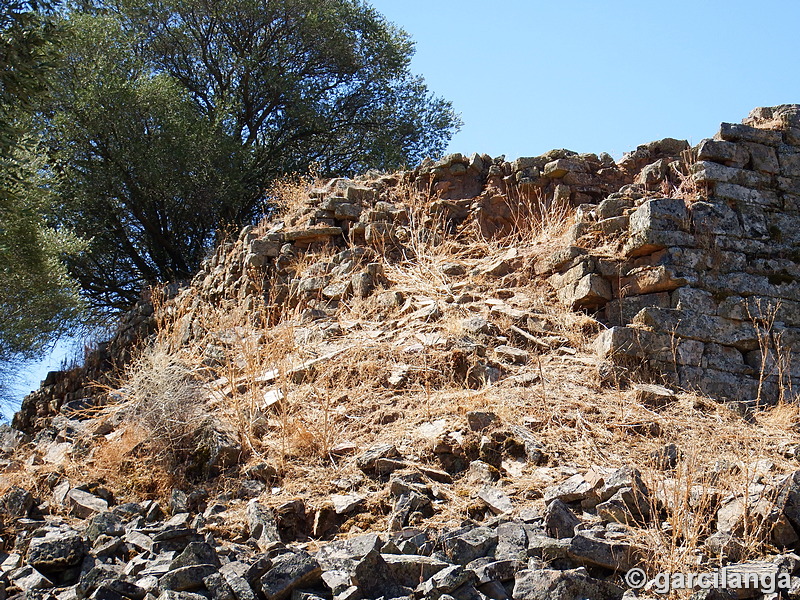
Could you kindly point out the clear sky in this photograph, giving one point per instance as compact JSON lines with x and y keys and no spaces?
{"x":529,"y":76}
{"x":600,"y":76}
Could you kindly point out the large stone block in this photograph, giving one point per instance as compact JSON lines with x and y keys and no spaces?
{"x":698,"y":326}
{"x":734,"y":132}
{"x":312,"y":234}
{"x":648,"y":241}
{"x":649,"y":280}
{"x":745,"y":195}
{"x":711,"y":172}
{"x":550,"y":584}
{"x":776,"y":285}
{"x":762,"y":308}
{"x":726,"y":153}
{"x":715,"y":219}
{"x":591,"y":291}
{"x":763,"y":158}
{"x":574,"y":274}
{"x":632,"y":343}
{"x":754,"y":222}
{"x":662,"y":213}
{"x":562,"y":166}
{"x":558,"y":260}
{"x":725,"y":358}
{"x":790,"y":164}
{"x":689,"y":298}
{"x":718,"y":384}
{"x":621,"y":311}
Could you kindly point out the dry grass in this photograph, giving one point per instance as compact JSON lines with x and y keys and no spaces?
{"x":236,"y":355}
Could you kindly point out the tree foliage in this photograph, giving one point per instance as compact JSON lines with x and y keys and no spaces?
{"x":38,"y":300}
{"x":145,"y":176}
{"x":170,"y":118}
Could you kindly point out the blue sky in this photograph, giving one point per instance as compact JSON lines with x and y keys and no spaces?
{"x":529,"y":76}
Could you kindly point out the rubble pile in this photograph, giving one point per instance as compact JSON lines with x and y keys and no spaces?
{"x":370,"y":318}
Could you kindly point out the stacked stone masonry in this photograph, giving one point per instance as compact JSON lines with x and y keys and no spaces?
{"x":689,"y":256}
{"x":704,"y":291}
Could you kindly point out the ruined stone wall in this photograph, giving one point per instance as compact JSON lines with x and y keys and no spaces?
{"x":691,"y":257}
{"x":704,"y":287}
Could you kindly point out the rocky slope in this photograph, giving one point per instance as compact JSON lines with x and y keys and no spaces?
{"x":440,"y":383}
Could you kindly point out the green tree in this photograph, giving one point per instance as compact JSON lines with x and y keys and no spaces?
{"x":144,"y":175}
{"x":38,"y":300}
{"x":172,"y":117}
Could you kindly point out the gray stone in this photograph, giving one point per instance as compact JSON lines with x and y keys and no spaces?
{"x":105,"y":523}
{"x":446,"y":581}
{"x":498,"y":570}
{"x":479,"y":420}
{"x":667,"y":457}
{"x":405,"y":506}
{"x":613,"y":206}
{"x":125,"y":589}
{"x":453,"y":269}
{"x":196,"y":553}
{"x":734,"y":132}
{"x":725,"y":546}
{"x":628,"y":506}
{"x":343,"y":552}
{"x":363,"y":284}
{"x":573,"y":489}
{"x":239,"y":586}
{"x":475,"y":325}
{"x":651,"y":280}
{"x":311,"y":234}
{"x":588,"y":549}
{"x":700,"y":327}
{"x":512,"y":541}
{"x":186,"y":579}
{"x":367,"y":460}
{"x":373,"y":577}
{"x":56,"y":551}
{"x":218,"y":587}
{"x":590,"y":292}
{"x":262,"y":525}
{"x":289,"y":572}
{"x":346,"y":503}
{"x":10,"y":438}
{"x":533,"y":449}
{"x":359,"y":193}
{"x":16,"y":502}
{"x":660,"y":214}
{"x":173,"y":595}
{"x":480,"y":472}
{"x":95,"y":576}
{"x":652,"y":395}
{"x":218,"y":447}
{"x":559,"y":520}
{"x":410,"y":569}
{"x":576,"y":584}
{"x":464,"y":546}
{"x":139,"y":540}
{"x":547,"y":548}
{"x":624,"y":477}
{"x":496,"y":500}
{"x":510,"y":354}
{"x":727,"y":153}
{"x":27,"y":578}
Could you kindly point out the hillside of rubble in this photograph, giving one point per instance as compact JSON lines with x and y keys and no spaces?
{"x":476,"y":379}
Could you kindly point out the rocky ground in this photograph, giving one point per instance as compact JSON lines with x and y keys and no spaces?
{"x":392,"y":388}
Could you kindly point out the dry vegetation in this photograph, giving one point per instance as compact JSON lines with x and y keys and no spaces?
{"x":311,"y":425}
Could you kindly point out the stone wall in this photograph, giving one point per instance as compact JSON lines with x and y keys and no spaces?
{"x":690,"y":256}
{"x":702,"y":288}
